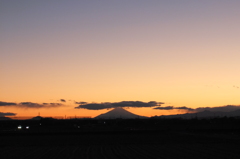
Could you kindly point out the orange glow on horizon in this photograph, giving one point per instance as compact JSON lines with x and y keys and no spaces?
{"x":70,"y":112}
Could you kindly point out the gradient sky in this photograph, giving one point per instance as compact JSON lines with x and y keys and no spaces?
{"x":182,"y":53}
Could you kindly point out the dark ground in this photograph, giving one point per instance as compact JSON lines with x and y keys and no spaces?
{"x":102,"y":139}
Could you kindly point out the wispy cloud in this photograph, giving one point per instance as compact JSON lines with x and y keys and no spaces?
{"x":38,"y":105}
{"x":62,"y":100}
{"x":236,"y":86}
{"x":80,"y":103}
{"x":30,"y":105}
{"x":172,"y":107}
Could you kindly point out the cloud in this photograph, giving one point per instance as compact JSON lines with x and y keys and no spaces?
{"x":236,"y":87}
{"x":7,"y":103}
{"x":185,"y":108}
{"x":107,"y":105}
{"x":94,"y":106}
{"x":30,"y":105}
{"x":165,"y":108}
{"x":7,"y":114}
{"x":172,"y":107}
{"x":80,"y":102}
{"x":37,"y":105}
{"x":136,"y":104}
{"x":62,"y":100}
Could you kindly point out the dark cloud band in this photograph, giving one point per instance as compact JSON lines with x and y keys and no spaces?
{"x":7,"y":103}
{"x":165,"y":108}
{"x":172,"y":107}
{"x":37,"y":105}
{"x":7,"y":114}
{"x":107,"y":105}
{"x":30,"y":105}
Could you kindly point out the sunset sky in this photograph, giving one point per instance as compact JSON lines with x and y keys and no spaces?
{"x":179,"y":52}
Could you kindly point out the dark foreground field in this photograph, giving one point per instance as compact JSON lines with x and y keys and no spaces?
{"x":92,"y":144}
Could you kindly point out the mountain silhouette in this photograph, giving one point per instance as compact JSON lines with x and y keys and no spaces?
{"x":204,"y":114}
{"x":119,"y":113}
{"x":36,"y":118}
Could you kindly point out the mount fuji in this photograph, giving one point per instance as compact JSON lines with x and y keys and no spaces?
{"x":121,"y":113}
